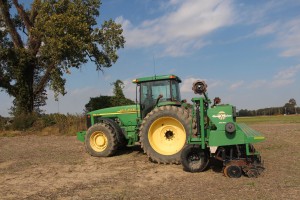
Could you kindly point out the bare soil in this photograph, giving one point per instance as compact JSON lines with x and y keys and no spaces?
{"x":57,"y":167}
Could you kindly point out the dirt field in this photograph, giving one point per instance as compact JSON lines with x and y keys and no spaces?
{"x":57,"y":167}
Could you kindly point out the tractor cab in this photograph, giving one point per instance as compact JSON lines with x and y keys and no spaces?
{"x":157,"y":91}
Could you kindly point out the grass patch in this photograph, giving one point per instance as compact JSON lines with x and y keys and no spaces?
{"x":252,"y":184}
{"x":278,"y":119}
{"x":50,"y":124}
{"x":5,"y":133}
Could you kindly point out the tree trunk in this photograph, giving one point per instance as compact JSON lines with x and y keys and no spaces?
{"x":24,"y":100}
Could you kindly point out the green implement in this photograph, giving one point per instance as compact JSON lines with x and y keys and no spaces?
{"x":251,"y":135}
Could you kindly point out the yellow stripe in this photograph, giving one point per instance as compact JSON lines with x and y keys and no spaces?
{"x":259,"y":138}
{"x":117,"y":113}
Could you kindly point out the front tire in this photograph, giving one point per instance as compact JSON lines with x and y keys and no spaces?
{"x":164,"y":132}
{"x":118,"y":131}
{"x":101,"y":140}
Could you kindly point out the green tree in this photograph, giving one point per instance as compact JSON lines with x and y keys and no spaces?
{"x":290,"y":107}
{"x":40,"y":44}
{"x":100,"y":102}
{"x":292,"y":101}
{"x":118,"y":99}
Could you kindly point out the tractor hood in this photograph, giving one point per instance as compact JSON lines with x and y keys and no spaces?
{"x":118,"y":110}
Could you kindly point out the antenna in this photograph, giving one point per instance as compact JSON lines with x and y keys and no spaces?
{"x":154,"y":65}
{"x":58,"y":104}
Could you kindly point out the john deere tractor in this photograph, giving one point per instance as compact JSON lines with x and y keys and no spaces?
{"x":172,"y":131}
{"x":159,"y":121}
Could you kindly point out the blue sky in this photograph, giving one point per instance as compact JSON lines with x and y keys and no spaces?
{"x":248,"y":52}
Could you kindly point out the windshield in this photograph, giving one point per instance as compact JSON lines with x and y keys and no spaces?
{"x":150,"y":91}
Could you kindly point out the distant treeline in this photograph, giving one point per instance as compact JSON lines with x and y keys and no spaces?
{"x":289,"y":108}
{"x":269,"y":111}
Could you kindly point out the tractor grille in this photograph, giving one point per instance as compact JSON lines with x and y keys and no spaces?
{"x":88,"y":121}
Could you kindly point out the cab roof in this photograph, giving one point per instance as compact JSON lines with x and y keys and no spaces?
{"x":157,"y":78}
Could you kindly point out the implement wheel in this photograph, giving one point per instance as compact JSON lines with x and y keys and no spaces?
{"x":252,"y":173}
{"x":233,"y":171}
{"x":194,"y":159}
{"x":164,"y":132}
{"x":101,"y":140}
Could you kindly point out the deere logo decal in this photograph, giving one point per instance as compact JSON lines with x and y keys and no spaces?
{"x":221,"y":115}
{"x":127,"y":110}
{"x":119,"y":112}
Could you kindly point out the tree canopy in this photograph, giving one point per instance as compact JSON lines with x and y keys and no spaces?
{"x":118,"y":99}
{"x":40,"y":44}
{"x":290,"y":106}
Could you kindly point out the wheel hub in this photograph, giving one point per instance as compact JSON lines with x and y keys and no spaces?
{"x":169,"y":135}
{"x":194,"y":157}
{"x":98,"y":141}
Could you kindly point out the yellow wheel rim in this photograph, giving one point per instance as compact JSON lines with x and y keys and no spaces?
{"x":98,"y":141}
{"x":167,"y":136}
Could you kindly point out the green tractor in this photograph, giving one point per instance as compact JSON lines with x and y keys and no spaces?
{"x":159,"y":121}
{"x":171,"y":131}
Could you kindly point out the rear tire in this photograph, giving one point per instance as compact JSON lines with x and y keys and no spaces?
{"x":101,"y":140}
{"x":164,"y":132}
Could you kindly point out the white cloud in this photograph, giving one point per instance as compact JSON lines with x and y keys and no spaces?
{"x":187,"y":84}
{"x":215,"y":84}
{"x":236,"y":85}
{"x":268,"y":29}
{"x":181,"y":29}
{"x":73,"y":102}
{"x":289,"y":38}
{"x":288,"y":73}
{"x":282,"y":78}
{"x":286,"y":30}
{"x":285,"y":77}
{"x":277,"y":83}
{"x":129,"y":89}
{"x":256,"y":13}
{"x":257,"y":84}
